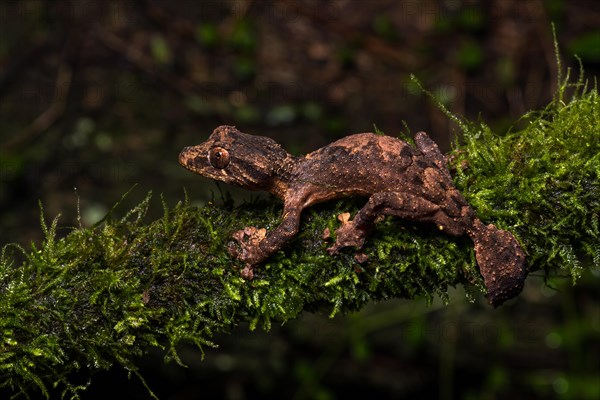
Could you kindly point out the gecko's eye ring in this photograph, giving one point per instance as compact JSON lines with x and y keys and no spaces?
{"x":218,"y":157}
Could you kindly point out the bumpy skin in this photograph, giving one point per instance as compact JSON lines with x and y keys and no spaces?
{"x":401,"y":180}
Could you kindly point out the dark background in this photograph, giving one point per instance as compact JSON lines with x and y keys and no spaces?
{"x":96,"y":96}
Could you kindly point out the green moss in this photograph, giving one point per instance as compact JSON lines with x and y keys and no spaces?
{"x":541,"y":182}
{"x":103,"y":296}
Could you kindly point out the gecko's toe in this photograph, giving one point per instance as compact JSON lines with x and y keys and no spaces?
{"x":247,"y":273}
{"x":333,"y":249}
{"x":361,"y":258}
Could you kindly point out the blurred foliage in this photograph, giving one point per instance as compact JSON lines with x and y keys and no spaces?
{"x":587,"y":47}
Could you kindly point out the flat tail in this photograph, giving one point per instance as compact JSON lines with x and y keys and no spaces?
{"x":501,"y":262}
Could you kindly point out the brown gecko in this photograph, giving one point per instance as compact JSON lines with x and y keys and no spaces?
{"x":398,"y":179}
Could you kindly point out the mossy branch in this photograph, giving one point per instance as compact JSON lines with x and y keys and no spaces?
{"x":106,"y":295}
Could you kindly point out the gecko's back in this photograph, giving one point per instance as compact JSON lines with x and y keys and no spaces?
{"x":367,"y":163}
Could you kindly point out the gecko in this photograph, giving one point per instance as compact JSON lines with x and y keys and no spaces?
{"x":398,"y":179}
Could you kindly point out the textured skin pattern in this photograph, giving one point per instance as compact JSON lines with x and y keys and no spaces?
{"x":398,"y":179}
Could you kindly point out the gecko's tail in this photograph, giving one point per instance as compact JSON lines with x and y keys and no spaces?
{"x":501,"y":262}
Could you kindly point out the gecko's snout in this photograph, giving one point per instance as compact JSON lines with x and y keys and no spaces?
{"x":184,"y":156}
{"x":184,"y":151}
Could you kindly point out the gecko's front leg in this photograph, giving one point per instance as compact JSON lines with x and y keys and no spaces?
{"x":254,"y":245}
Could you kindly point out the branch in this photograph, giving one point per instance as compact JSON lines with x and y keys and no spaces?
{"x":105,"y":295}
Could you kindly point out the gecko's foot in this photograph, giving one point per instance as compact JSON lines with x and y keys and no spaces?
{"x":247,"y":248}
{"x":347,"y":235}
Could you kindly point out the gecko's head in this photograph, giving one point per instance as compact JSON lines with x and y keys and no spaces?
{"x":233,"y":157}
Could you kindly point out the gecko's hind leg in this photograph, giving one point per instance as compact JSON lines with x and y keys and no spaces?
{"x":353,"y":232}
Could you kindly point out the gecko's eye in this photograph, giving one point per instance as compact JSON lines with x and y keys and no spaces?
{"x":218,"y":157}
